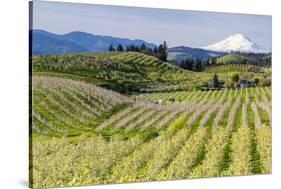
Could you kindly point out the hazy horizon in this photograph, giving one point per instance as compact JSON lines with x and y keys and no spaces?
{"x":177,"y":27}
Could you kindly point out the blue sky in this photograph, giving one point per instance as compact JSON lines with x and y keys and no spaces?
{"x":177,"y":27}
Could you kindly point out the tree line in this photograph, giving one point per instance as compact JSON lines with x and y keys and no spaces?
{"x":197,"y":65}
{"x":159,"y":52}
{"x":263,"y":60}
{"x":193,"y":64}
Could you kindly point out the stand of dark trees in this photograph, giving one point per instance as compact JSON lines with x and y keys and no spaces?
{"x":159,"y":52}
{"x":263,"y":60}
{"x":194,"y":65}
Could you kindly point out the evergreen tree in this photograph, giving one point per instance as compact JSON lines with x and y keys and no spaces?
{"x":189,"y":64}
{"x":182,"y":64}
{"x":132,"y":47}
{"x":216,"y":80}
{"x":111,"y":48}
{"x":165,"y":45}
{"x":155,"y":50}
{"x":142,"y":47}
{"x":162,"y":51}
{"x":149,"y":51}
{"x":197,"y":65}
{"x":213,"y":61}
{"x":137,"y":49}
{"x":120,"y":48}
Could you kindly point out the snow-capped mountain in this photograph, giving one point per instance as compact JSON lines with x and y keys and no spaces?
{"x":239,"y":43}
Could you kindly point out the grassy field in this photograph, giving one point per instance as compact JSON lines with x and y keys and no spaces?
{"x":231,"y":58}
{"x":85,"y":134}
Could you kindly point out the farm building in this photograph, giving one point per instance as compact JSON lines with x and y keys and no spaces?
{"x":246,"y":83}
{"x":212,"y":84}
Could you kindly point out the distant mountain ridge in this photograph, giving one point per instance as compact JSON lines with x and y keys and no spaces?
{"x":182,"y":53}
{"x":234,"y":43}
{"x":44,"y":42}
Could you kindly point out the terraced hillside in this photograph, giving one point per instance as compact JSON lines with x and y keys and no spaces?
{"x":245,"y":71}
{"x":124,"y":72}
{"x":235,"y":68}
{"x":132,"y":72}
{"x":231,"y":58}
{"x":63,"y":107}
{"x":99,"y":136}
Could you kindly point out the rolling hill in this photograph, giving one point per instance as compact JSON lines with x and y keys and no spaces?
{"x":74,"y":107}
{"x":231,"y":58}
{"x":44,"y":42}
{"x":262,"y":60}
{"x":124,"y":72}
